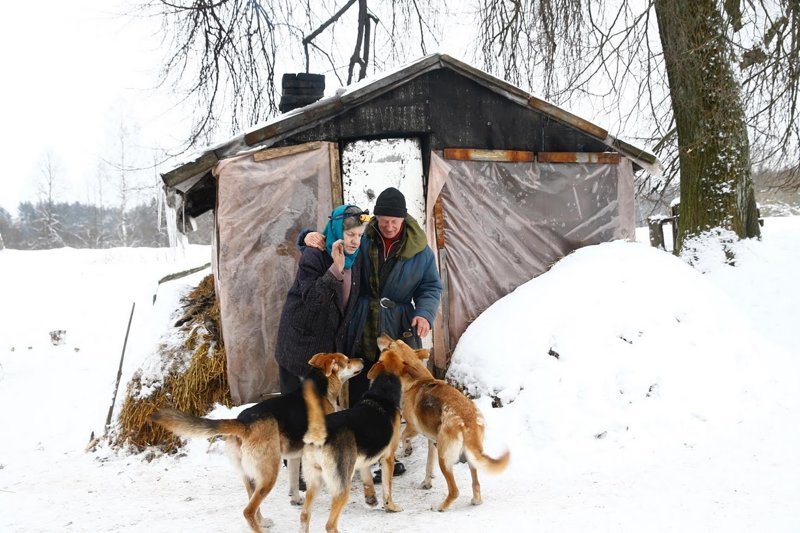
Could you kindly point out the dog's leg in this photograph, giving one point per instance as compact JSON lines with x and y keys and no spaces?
{"x":428,"y":482}
{"x":369,"y":486}
{"x":313,"y":476}
{"x":387,"y":475}
{"x":265,"y":481}
{"x":294,"y":481}
{"x":409,"y":432}
{"x":338,"y":501}
{"x":476,"y":486}
{"x":305,"y":514}
{"x":446,"y":466}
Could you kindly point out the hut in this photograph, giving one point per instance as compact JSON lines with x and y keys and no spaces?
{"x":504,"y":183}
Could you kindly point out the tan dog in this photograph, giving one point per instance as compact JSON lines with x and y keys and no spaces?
{"x":340,"y":443}
{"x":270,"y":430}
{"x":441,"y":413}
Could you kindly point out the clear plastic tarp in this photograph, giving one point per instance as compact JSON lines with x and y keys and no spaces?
{"x":261,"y":208}
{"x":506,"y":223}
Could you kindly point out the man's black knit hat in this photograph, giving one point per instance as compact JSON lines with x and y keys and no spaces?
{"x":391,"y":203}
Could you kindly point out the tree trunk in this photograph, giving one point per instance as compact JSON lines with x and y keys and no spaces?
{"x":714,"y":151}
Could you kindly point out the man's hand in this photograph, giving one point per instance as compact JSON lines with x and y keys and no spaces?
{"x":422,"y":325}
{"x":315,"y":239}
{"x":337,"y":253}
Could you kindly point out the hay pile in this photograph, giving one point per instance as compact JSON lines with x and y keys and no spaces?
{"x":193,"y":376}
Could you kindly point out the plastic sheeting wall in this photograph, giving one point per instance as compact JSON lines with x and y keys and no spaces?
{"x":261,"y":207}
{"x":506,"y":223}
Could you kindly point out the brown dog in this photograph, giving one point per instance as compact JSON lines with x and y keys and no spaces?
{"x":340,"y":443}
{"x":441,"y":413}
{"x":270,"y":430}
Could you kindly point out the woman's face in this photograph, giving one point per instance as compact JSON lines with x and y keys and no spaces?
{"x":352,"y":239}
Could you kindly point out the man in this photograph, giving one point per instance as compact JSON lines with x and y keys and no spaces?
{"x":400,"y":285}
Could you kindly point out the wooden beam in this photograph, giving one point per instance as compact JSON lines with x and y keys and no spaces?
{"x":438,"y":217}
{"x":337,"y":195}
{"x":567,"y":117}
{"x":274,"y":153}
{"x":633,"y":151}
{"x":476,"y":154}
{"x":297,"y":120}
{"x":608,"y":158}
{"x":201,"y":165}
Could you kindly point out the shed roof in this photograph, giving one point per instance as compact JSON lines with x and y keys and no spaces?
{"x":273,"y":131}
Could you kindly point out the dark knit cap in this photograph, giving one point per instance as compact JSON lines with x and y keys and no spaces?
{"x":391,"y":203}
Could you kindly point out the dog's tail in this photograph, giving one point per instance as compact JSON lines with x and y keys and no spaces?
{"x":187,"y":425}
{"x":316,"y":432}
{"x":473,"y":449}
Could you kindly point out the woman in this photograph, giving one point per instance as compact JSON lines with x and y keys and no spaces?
{"x":321,"y":299}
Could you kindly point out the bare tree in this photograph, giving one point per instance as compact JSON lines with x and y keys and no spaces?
{"x":644,"y":60}
{"x":717,"y":82}
{"x":230,"y":51}
{"x":48,"y":226}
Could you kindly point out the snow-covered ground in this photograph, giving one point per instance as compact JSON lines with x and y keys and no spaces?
{"x":639,"y":393}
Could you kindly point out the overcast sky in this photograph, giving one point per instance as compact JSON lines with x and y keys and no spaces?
{"x":72,"y":71}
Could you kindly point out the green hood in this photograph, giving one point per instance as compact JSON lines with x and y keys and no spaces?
{"x":414,"y":240}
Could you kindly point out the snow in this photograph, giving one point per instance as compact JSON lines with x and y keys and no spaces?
{"x":672,"y":404}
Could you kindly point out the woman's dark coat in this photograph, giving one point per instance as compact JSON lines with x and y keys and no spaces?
{"x":312,"y":320}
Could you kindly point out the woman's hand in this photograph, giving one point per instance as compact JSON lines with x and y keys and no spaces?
{"x":315,"y":239}
{"x":337,"y":254}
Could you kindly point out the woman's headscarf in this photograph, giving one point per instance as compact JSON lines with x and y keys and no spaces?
{"x":334,"y":231}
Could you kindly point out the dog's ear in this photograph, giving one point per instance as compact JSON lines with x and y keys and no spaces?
{"x":376,"y":370}
{"x":412,"y":371}
{"x":316,"y":360}
{"x":331,"y":367}
{"x":422,"y":354}
{"x":384,"y":341}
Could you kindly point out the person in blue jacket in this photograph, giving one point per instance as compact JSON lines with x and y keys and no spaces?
{"x":400,"y":288}
{"x":400,"y":284}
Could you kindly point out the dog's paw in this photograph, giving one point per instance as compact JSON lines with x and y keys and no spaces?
{"x":407,"y":450}
{"x":427,"y":485}
{"x":296,"y":501}
{"x":372,"y":501}
{"x":392,"y":507}
{"x":266,"y":522}
{"x":476,"y":501}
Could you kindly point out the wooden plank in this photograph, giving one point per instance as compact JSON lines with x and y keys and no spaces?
{"x":297,"y":120}
{"x":337,"y":194}
{"x":609,"y":158}
{"x":487,"y":80}
{"x":438,"y":217}
{"x":379,"y":86}
{"x":445,"y":299}
{"x":274,"y":153}
{"x":631,"y":150}
{"x":201,"y":165}
{"x":477,"y":154}
{"x":567,"y":117}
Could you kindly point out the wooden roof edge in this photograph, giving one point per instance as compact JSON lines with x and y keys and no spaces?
{"x":644,"y":159}
{"x":200,"y":165}
{"x":568,"y":118}
{"x":484,"y":78}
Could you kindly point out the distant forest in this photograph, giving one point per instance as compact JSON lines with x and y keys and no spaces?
{"x":43,"y":225}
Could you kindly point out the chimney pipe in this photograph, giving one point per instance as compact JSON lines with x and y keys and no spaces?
{"x":300,"y":89}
